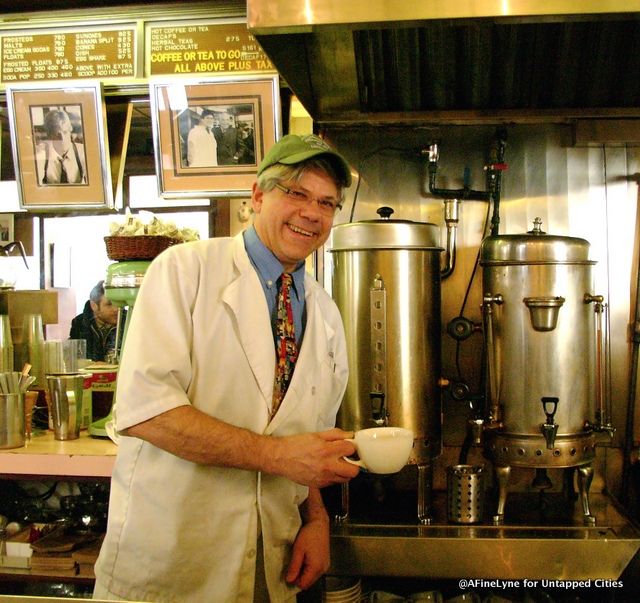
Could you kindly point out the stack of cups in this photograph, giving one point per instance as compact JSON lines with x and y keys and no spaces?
{"x":74,"y":352}
{"x":6,"y":345}
{"x":53,"y":357}
{"x":64,"y":356}
{"x":33,"y":346}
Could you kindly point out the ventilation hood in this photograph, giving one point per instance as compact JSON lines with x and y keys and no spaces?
{"x":383,"y":60}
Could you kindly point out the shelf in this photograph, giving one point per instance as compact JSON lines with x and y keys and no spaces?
{"x":46,"y":456}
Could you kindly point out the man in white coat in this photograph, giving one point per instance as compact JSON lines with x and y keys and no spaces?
{"x":215,"y":496}
{"x":202,"y":148}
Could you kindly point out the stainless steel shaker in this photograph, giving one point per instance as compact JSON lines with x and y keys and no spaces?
{"x":12,"y":428}
{"x":65,"y":392}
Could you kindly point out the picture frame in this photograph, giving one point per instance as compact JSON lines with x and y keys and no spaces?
{"x":7,"y":232}
{"x":60,"y":146}
{"x":211,"y":134}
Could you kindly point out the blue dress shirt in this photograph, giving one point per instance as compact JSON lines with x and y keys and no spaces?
{"x":269,"y":269}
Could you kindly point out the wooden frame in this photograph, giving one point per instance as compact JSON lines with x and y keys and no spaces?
{"x":60,"y":147}
{"x":186,"y":166}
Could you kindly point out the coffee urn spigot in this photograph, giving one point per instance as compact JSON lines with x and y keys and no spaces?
{"x":476,"y":429}
{"x":378,"y":409}
{"x":549,"y":429}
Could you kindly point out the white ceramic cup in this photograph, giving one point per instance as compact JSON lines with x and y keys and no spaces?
{"x":382,"y":449}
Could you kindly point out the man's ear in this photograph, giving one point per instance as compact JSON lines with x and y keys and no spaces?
{"x":256,"y":198}
{"x":95,"y":307}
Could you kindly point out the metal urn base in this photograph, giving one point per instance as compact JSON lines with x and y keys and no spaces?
{"x":571,"y":452}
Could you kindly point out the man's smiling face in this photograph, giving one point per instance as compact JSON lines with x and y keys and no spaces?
{"x":290,"y":229}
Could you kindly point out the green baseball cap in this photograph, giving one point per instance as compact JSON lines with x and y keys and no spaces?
{"x":292,"y":149}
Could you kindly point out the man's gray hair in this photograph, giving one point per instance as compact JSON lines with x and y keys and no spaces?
{"x":97,"y":292}
{"x":279,"y":172}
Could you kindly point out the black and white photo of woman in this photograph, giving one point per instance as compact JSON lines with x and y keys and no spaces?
{"x":60,"y":158}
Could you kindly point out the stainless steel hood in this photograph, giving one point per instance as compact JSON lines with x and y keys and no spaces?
{"x":380,"y":60}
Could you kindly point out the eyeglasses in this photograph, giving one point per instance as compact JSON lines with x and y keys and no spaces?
{"x":327,"y":206}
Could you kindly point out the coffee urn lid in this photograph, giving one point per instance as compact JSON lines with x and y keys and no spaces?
{"x":385,"y":234}
{"x":535,"y":246}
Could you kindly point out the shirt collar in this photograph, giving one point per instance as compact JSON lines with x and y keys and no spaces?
{"x":268,"y":265}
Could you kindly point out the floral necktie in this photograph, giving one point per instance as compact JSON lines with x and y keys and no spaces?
{"x":286,"y":347}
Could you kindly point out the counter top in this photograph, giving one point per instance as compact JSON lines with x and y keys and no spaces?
{"x":518,"y":550}
{"x":45,"y":456}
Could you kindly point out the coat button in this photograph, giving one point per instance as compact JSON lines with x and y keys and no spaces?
{"x":313,"y":390}
{"x":251,"y":554}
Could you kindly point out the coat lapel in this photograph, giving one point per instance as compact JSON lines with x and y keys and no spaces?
{"x":315,"y":349}
{"x":245,"y":298}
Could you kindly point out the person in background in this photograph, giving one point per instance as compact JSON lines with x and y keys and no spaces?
{"x":215,"y":494}
{"x":202,"y":148}
{"x":230,"y":144}
{"x":97,"y":325}
{"x":59,"y":159}
{"x":247,"y":154}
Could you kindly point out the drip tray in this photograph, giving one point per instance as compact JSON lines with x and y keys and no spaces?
{"x":522,"y":548}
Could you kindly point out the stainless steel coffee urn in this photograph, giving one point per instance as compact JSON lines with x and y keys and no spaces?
{"x":386,"y":283}
{"x":543,"y":328}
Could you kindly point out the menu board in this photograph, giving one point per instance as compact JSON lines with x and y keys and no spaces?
{"x":203,"y":48}
{"x":101,"y":53}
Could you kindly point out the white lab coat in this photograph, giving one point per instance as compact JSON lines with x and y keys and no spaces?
{"x":202,"y":147}
{"x":179,"y":531}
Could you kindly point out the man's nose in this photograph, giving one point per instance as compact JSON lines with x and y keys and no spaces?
{"x":311,"y":210}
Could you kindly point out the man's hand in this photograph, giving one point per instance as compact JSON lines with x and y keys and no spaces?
{"x":313,"y":459}
{"x":310,"y":552}
{"x":310,"y":555}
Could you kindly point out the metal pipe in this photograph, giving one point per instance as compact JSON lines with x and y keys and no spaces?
{"x":494,"y":176}
{"x":425,"y":488}
{"x":464,"y":193}
{"x":492,"y":377}
{"x":493,"y":169}
{"x":343,"y":515}
{"x":119,"y":329}
{"x":451,"y":219}
{"x":631,"y":399}
{"x":602,"y":375}
{"x":600,"y":418}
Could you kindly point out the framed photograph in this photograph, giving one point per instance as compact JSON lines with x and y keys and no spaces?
{"x":7,"y":234}
{"x":210,"y":135}
{"x":60,"y":148}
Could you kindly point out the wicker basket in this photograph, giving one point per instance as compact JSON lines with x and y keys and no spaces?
{"x":139,"y":247}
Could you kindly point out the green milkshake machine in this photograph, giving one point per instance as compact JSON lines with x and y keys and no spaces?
{"x":121,"y":286}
